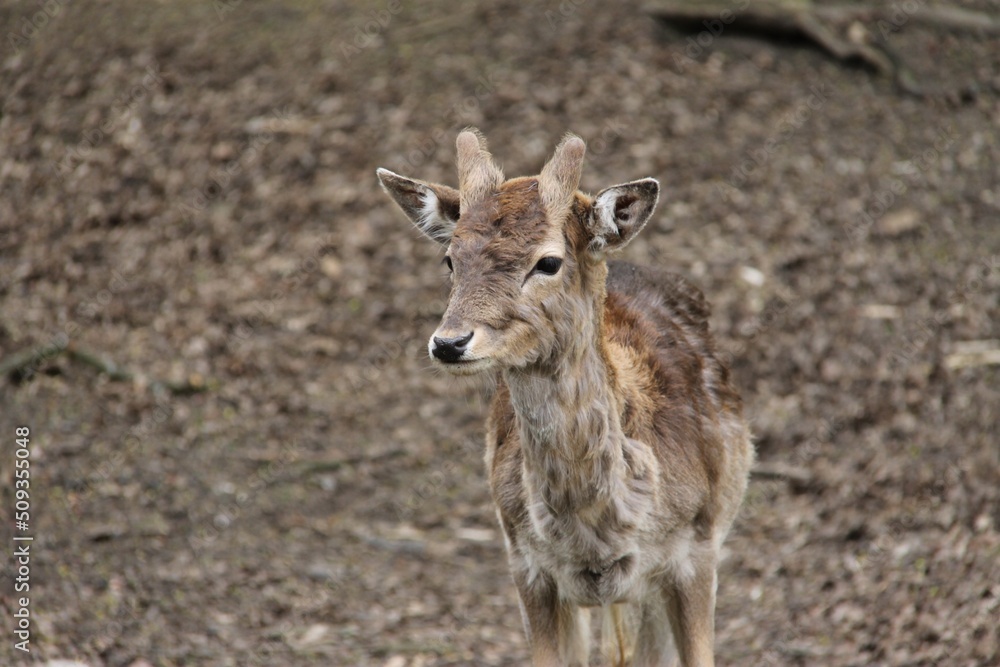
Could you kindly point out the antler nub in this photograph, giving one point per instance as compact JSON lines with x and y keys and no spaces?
{"x":478,"y":174}
{"x":560,"y":176}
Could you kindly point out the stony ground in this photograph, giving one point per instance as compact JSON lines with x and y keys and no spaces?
{"x":187,"y":190}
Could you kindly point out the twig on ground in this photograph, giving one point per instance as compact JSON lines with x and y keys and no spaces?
{"x":304,"y":468}
{"x":781,"y":471}
{"x":20,"y":363}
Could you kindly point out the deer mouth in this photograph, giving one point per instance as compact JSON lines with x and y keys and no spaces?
{"x":465,"y":366}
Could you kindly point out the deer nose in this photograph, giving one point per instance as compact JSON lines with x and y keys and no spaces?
{"x":450,"y":350}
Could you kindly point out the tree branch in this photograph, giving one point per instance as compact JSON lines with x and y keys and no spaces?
{"x":25,"y":363}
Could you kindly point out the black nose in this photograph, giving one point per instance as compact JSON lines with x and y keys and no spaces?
{"x":450,"y":349}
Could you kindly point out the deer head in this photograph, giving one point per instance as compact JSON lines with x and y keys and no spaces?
{"x":526,"y":255}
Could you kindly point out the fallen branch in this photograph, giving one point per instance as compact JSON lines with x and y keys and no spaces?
{"x":959,"y":360}
{"x":304,"y":468}
{"x":109,"y":368}
{"x":957,"y":19}
{"x":782,"y":472}
{"x":26,"y":362}
{"x":784,"y":16}
{"x":845,"y":31}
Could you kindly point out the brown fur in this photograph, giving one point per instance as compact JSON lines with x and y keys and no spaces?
{"x":616,"y":447}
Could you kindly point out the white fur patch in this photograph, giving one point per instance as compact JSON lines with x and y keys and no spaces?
{"x":604,"y":217}
{"x":430,"y":221}
{"x":428,"y":209}
{"x":680,"y":556}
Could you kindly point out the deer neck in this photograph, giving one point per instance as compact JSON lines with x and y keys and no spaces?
{"x":568,"y":412}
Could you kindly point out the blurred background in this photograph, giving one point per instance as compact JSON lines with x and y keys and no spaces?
{"x":214,"y":323}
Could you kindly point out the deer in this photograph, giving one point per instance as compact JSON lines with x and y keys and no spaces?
{"x":616,"y":448}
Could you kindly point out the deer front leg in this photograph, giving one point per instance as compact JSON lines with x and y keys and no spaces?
{"x":655,"y":640}
{"x":538,"y":600}
{"x":557,"y":632}
{"x":691,"y":608}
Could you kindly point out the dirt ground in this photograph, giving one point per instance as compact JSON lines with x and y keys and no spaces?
{"x":187,"y":189}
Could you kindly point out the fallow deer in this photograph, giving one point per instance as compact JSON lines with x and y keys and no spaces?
{"x":617,"y":451}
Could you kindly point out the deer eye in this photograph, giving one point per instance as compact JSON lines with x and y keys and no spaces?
{"x":548,"y":265}
{"x":447,"y":262}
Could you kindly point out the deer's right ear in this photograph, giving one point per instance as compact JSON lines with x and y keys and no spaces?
{"x":431,"y":207}
{"x":620,"y":212}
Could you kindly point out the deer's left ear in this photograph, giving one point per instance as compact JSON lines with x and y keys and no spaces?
{"x":620,"y":212}
{"x":433,"y":208}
